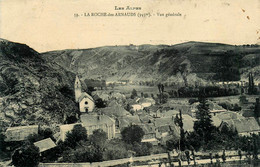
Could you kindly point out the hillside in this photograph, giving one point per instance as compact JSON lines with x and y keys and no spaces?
{"x":32,"y":91}
{"x":38,"y":88}
{"x":196,"y":61}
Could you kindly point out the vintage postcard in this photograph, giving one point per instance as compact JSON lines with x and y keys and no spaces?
{"x":122,"y":83}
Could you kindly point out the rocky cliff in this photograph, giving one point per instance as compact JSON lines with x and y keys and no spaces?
{"x":33,"y":91}
{"x":193,"y":60}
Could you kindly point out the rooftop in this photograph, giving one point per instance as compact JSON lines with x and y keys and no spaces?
{"x":90,"y":120}
{"x":243,"y":125}
{"x":20,"y":133}
{"x":85,"y":95}
{"x":45,"y":144}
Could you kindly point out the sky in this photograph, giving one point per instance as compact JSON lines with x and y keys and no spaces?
{"x":47,"y":25}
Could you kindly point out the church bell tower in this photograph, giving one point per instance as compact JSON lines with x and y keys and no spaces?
{"x":77,"y":88}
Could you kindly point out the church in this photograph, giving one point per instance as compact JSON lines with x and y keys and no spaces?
{"x":88,"y":119}
{"x":86,"y":102}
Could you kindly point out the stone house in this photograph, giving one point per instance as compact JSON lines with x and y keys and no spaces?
{"x":20,"y":133}
{"x":45,"y":144}
{"x":244,"y":127}
{"x":94,"y":122}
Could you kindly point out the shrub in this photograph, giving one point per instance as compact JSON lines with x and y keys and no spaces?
{"x":27,"y":156}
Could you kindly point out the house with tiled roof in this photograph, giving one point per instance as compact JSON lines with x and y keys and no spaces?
{"x":114,"y":110}
{"x":128,"y":120}
{"x":20,"y":133}
{"x":45,"y":144}
{"x":151,"y":135}
{"x":244,"y":126}
{"x":94,"y":122}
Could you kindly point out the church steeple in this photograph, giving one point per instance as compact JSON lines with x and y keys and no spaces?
{"x":77,"y":88}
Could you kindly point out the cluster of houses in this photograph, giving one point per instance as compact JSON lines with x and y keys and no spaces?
{"x":156,"y":121}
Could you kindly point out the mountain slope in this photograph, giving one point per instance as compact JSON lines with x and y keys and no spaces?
{"x":194,"y":60}
{"x":32,"y":91}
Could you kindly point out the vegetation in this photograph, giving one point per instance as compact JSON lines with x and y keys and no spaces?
{"x":251,"y":86}
{"x":77,"y":134}
{"x":79,"y":148}
{"x":84,"y":152}
{"x":231,"y":107}
{"x":26,"y":156}
{"x":134,"y":94}
{"x":257,"y":108}
{"x":98,"y":138}
{"x":132,"y":134}
{"x":227,"y":68}
{"x":207,"y":137}
{"x":208,"y":91}
{"x":43,"y":134}
{"x":115,"y":149}
{"x":178,"y":121}
{"x":203,"y":125}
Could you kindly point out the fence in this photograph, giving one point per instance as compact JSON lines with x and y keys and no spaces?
{"x":140,"y":159}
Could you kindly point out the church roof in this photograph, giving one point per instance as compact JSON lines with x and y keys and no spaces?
{"x":85,"y":95}
{"x":77,"y":81}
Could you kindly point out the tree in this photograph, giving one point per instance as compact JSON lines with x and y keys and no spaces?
{"x":203,"y":125}
{"x":257,"y":108}
{"x":134,"y":94}
{"x":142,"y":149}
{"x":179,"y":122}
{"x":27,"y":156}
{"x":34,"y":137}
{"x":2,"y":141}
{"x":163,"y":98}
{"x":251,"y":86}
{"x":227,"y":67}
{"x":77,"y":134}
{"x":83,"y":153}
{"x":47,"y":133}
{"x":115,"y":149}
{"x":98,"y":138}
{"x":99,"y":103}
{"x":132,"y":133}
{"x":161,"y":90}
{"x":172,"y":143}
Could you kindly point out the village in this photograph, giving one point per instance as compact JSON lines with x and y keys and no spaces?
{"x":157,"y":116}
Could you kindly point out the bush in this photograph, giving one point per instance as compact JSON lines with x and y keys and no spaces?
{"x":115,"y":149}
{"x":77,"y":134}
{"x":98,"y":138}
{"x":27,"y":156}
{"x":85,"y":153}
{"x":142,"y":149}
{"x":66,"y":91}
{"x":134,"y":94}
{"x":132,"y":133}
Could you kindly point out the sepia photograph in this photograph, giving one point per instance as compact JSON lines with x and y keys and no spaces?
{"x":129,"y":83}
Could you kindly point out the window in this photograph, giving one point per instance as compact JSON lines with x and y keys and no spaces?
{"x":86,"y":102}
